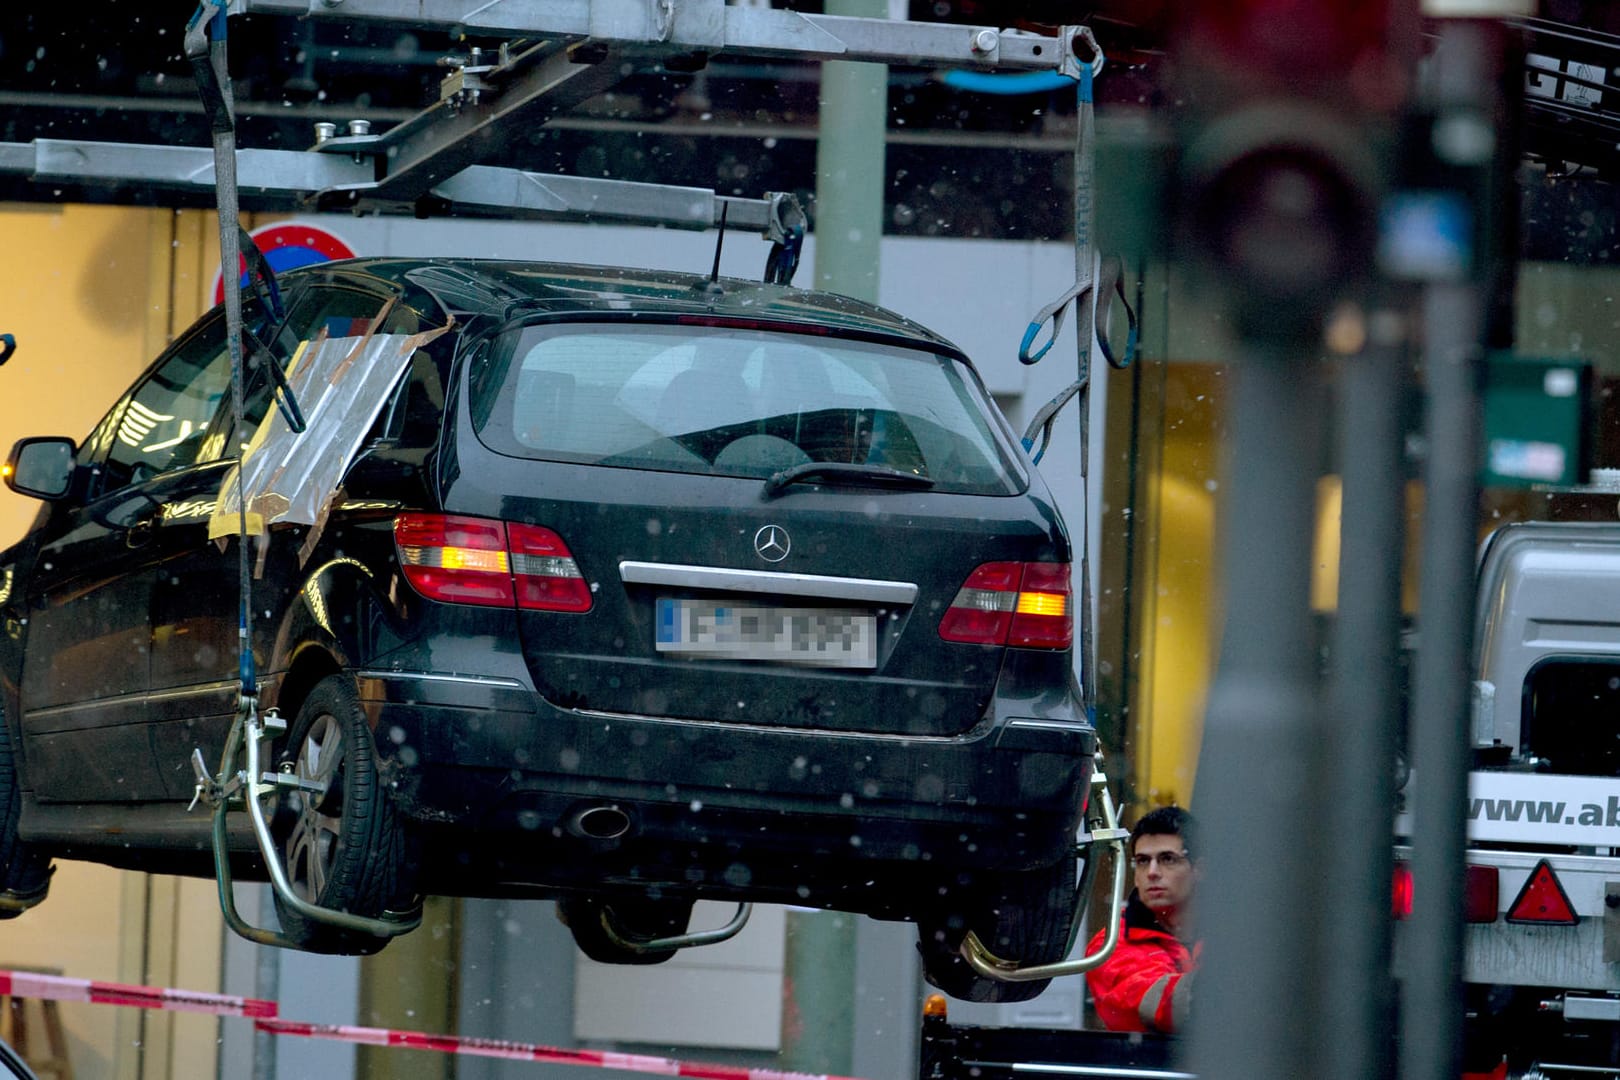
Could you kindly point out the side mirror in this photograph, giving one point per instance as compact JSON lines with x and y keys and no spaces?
{"x":41,"y":467}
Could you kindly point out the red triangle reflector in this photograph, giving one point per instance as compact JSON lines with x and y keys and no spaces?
{"x":1542,"y":900}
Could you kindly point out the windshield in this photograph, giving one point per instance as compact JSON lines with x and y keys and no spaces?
{"x":736,"y":402}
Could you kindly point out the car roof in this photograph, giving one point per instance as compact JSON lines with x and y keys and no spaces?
{"x":492,"y":287}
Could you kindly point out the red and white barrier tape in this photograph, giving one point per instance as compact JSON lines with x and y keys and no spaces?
{"x":28,"y":984}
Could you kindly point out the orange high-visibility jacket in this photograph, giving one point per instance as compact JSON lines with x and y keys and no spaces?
{"x":1146,"y":983}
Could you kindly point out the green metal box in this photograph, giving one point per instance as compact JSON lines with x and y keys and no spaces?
{"x":1537,"y":421}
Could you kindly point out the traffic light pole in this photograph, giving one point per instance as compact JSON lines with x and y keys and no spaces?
{"x":1261,"y":904}
{"x":1278,"y":176}
{"x":1462,"y":95}
{"x":1362,"y":731}
{"x":1431,"y":1025}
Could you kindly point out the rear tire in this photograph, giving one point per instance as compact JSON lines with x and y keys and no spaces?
{"x":635,"y":919}
{"x":1024,"y":916}
{"x":25,"y":872}
{"x":343,"y":848}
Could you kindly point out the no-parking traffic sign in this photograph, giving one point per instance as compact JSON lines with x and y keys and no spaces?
{"x":289,"y":245}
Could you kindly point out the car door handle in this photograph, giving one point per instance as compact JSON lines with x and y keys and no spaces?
{"x":139,"y":534}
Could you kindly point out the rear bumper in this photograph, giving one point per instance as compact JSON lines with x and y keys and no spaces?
{"x":720,"y":807}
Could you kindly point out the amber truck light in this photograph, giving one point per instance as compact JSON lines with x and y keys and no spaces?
{"x":467,"y":560}
{"x":1009,"y":603}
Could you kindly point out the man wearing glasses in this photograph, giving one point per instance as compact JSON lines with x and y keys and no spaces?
{"x":1145,"y":985}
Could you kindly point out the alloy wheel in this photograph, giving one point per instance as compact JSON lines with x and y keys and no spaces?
{"x":312,"y":846}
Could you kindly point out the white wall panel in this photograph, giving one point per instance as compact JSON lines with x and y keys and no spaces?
{"x":725,"y":995}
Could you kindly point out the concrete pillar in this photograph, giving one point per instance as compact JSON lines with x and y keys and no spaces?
{"x":849,"y":167}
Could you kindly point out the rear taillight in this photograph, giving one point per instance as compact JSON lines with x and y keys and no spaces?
{"x":547,"y":577}
{"x":1479,"y":893}
{"x":1043,"y":617}
{"x":456,"y":559}
{"x":1010,"y":603}
{"x":466,"y":560}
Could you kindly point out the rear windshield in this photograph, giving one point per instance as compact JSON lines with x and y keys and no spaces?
{"x":1571,"y":713}
{"x":736,"y":402}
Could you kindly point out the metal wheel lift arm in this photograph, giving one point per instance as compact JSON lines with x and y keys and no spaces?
{"x":247,"y":733}
{"x":739,"y":919}
{"x":1105,"y":831}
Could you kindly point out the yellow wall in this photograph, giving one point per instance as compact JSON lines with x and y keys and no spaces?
{"x":1326,"y":543}
{"x":1178,"y":612}
{"x":92,"y":294}
{"x":73,"y":290}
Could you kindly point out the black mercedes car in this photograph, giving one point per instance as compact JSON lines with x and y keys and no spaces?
{"x":621,"y":587}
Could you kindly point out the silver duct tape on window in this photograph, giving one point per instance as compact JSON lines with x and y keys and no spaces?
{"x":292,"y":478}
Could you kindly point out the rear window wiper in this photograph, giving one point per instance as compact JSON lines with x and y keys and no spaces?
{"x":845,"y":473}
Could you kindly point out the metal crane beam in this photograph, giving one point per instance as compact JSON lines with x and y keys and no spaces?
{"x":285,"y":179}
{"x":554,"y":55}
{"x":707,"y":26}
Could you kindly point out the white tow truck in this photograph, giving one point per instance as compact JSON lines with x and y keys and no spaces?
{"x":1542,"y":887}
{"x":1542,"y":890}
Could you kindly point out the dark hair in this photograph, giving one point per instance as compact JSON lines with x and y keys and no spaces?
{"x":1167,"y":821}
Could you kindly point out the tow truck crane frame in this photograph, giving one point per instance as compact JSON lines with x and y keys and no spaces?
{"x":571,"y":44}
{"x":553,"y":57}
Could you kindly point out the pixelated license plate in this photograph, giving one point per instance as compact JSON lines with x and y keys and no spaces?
{"x":817,"y":637}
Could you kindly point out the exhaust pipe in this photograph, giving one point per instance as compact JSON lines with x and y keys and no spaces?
{"x":599,"y":823}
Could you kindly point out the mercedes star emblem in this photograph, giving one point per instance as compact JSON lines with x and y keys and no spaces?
{"x":772,"y":543}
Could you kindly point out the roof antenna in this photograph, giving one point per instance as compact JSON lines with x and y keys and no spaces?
{"x":713,"y":284}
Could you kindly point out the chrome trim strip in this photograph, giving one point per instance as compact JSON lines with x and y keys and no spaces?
{"x":76,"y":706}
{"x":228,"y":684}
{"x":1049,"y":725}
{"x":880,"y":736}
{"x":220,"y":686}
{"x":476,"y":680}
{"x":766,"y":581}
